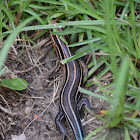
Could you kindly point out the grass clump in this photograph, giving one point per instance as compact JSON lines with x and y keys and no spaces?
{"x":110,"y":29}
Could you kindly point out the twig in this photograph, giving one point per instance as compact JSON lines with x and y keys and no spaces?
{"x":27,"y":70}
{"x":7,"y":111}
{"x":124,"y":21}
{"x":38,"y":116}
{"x":6,"y":103}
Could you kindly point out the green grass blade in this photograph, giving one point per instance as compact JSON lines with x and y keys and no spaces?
{"x":119,"y":92}
{"x":31,"y":12}
{"x":84,"y":42}
{"x":85,"y":91}
{"x":127,"y":136}
{"x":110,"y":36}
{"x":9,"y":41}
{"x":121,"y":83}
{"x":82,"y":10}
{"x":95,"y":131}
{"x":2,"y":71}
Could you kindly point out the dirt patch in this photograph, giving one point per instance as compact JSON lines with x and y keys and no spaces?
{"x":33,"y":111}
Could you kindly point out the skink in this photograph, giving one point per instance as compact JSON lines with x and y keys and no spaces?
{"x":69,"y":106}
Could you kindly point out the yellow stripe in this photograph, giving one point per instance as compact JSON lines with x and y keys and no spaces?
{"x":68,"y":77}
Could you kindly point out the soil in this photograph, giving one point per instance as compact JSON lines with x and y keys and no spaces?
{"x":30,"y":114}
